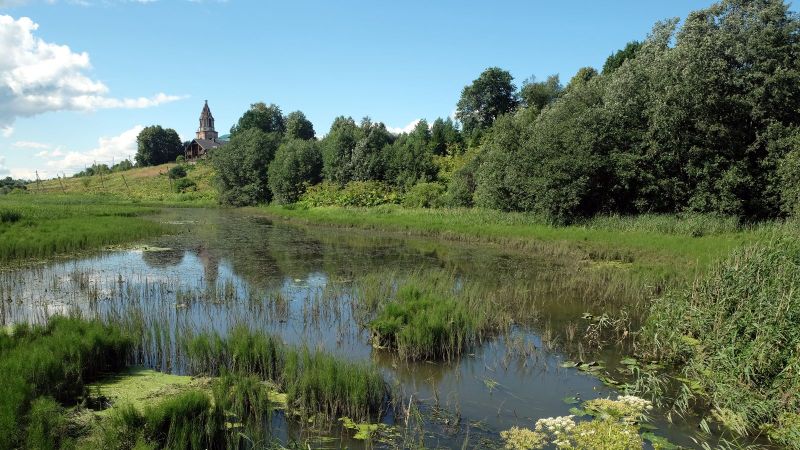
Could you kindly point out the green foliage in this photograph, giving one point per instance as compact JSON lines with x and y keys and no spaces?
{"x":420,"y":325}
{"x":491,"y":95}
{"x":425,"y":195}
{"x":355,"y":153}
{"x":445,"y":138}
{"x":157,"y":145}
{"x":53,"y":361}
{"x":242,"y":166}
{"x":356,"y":193}
{"x":183,"y":185}
{"x":537,"y":95}
{"x":42,"y":226}
{"x":46,"y":424}
{"x":411,"y":158}
{"x":735,"y":333}
{"x":176,"y":172}
{"x":297,"y":164}
{"x":787,"y":143}
{"x":8,"y":185}
{"x":315,"y":382}
{"x":267,"y":119}
{"x":180,"y":159}
{"x":616,"y":60}
{"x":185,"y":421}
{"x":463,"y":181}
{"x":298,"y":127}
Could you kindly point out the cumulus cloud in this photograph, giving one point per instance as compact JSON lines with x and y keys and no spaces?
{"x":38,"y":76}
{"x":406,"y":129}
{"x":108,"y":150}
{"x":4,"y":172}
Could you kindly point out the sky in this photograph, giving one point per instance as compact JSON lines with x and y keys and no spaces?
{"x":80,"y":78}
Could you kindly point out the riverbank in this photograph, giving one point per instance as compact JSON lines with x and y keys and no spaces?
{"x":44,"y":226}
{"x":658,"y":247}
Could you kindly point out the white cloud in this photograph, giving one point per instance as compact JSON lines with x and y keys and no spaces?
{"x":30,"y":145}
{"x":406,"y":129}
{"x":6,"y":131}
{"x":38,"y":76}
{"x":4,"y":172}
{"x":108,"y":150}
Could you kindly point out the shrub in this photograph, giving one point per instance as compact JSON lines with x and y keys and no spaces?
{"x":242,"y":163}
{"x":7,"y":216}
{"x":355,"y":193}
{"x":176,"y":172}
{"x":297,"y":164}
{"x":736,"y":332}
{"x":425,"y":195}
{"x":180,"y":159}
{"x":184,"y":184}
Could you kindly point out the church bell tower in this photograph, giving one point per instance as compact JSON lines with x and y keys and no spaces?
{"x":206,"y":130}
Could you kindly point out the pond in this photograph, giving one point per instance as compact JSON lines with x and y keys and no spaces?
{"x":305,"y":284}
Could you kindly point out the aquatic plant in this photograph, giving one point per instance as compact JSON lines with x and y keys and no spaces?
{"x":51,"y":361}
{"x":421,"y":325}
{"x":735,"y":333}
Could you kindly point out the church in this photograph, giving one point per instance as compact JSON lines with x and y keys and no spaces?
{"x":206,"y":139}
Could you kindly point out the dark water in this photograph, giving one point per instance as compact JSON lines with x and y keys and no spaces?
{"x":228,"y":267}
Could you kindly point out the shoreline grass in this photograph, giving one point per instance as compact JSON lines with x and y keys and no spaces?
{"x":655,"y":247}
{"x":45,"y":226}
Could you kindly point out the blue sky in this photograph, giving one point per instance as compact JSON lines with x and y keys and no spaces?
{"x":78,"y":87}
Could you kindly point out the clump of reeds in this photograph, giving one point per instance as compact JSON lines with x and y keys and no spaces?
{"x":419,"y":325}
{"x":315,"y":382}
{"x":736,"y":333}
{"x":52,"y":361}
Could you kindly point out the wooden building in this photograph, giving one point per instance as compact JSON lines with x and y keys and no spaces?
{"x":206,"y":138}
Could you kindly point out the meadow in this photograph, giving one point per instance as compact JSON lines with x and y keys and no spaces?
{"x":42,"y":226}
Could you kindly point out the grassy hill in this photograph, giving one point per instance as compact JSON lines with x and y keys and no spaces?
{"x":144,"y":184}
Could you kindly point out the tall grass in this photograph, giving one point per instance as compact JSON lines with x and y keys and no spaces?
{"x":422,"y":325}
{"x":315,"y":382}
{"x":736,"y":333}
{"x":53,"y":361}
{"x":43,"y":226}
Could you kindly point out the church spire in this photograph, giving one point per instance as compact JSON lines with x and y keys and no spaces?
{"x":206,"y":130}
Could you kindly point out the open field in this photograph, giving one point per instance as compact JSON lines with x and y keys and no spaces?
{"x":41,"y":226}
{"x":147,"y":184}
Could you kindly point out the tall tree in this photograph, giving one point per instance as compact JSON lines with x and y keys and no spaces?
{"x":540,"y":94}
{"x":156,"y":145}
{"x":489,"y":96}
{"x":446,"y":138}
{"x":268,"y":119}
{"x":298,"y":126}
{"x":614,"y":61}
{"x":297,"y":164}
{"x":242,"y":166}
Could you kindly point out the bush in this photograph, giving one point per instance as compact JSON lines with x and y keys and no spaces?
{"x":183,"y":185}
{"x":425,"y":195}
{"x":736,"y":332}
{"x":180,"y":159}
{"x":7,"y":216}
{"x":355,"y":193}
{"x":176,"y":172}
{"x":242,"y":165}
{"x":297,"y":164}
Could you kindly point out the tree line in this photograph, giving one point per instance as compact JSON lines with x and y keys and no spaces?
{"x":702,"y":116}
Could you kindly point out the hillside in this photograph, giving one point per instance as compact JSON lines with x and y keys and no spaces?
{"x":145,"y":184}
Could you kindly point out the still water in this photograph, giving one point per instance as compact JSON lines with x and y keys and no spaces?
{"x":227,"y":267}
